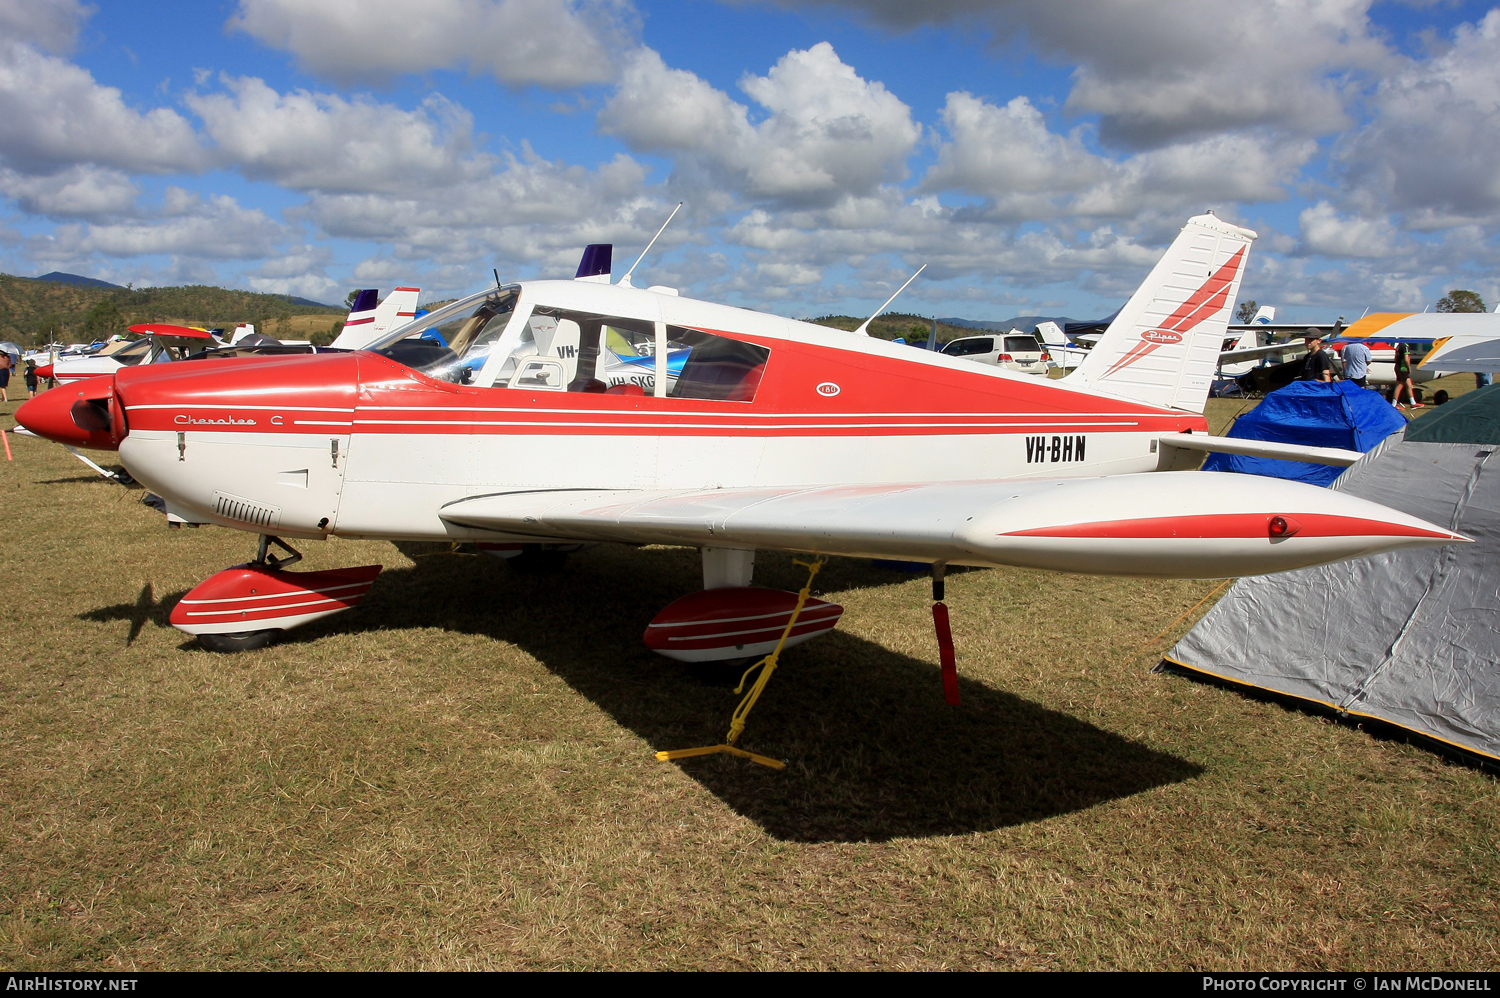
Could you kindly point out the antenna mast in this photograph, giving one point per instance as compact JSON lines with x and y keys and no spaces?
{"x":864,"y":327}
{"x":625,"y":281}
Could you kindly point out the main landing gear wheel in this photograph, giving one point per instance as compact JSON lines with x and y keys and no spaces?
{"x":226,"y":644}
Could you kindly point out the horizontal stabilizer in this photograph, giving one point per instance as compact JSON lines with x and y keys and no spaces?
{"x":1336,"y":456}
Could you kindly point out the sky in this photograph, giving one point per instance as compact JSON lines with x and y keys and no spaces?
{"x":1036,"y":156}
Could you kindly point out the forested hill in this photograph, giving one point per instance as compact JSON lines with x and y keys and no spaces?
{"x":33,"y":311}
{"x":913,"y":328}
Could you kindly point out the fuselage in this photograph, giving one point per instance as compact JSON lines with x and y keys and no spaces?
{"x":362,"y":445}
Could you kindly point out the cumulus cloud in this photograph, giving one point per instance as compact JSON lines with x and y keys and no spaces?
{"x":1000,"y":151}
{"x":826,"y":133}
{"x":185,"y":224}
{"x":54,"y":114}
{"x":1161,"y":70}
{"x":1432,"y":148}
{"x":81,"y":191}
{"x":528,"y":210}
{"x":550,"y":43}
{"x":297,"y":270}
{"x":1007,"y":154}
{"x":1327,"y":233}
{"x":325,"y":142}
{"x":50,"y":24}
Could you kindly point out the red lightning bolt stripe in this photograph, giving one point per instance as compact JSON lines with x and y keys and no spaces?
{"x":1201,"y":304}
{"x":1208,"y":299}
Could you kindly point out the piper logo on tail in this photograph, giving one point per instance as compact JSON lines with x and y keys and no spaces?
{"x":1161,"y":336}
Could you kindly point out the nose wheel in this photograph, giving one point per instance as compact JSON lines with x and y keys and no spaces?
{"x":246,"y":606}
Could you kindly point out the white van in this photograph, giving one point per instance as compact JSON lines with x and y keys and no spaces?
{"x":1014,"y":351}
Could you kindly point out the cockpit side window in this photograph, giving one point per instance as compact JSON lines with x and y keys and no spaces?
{"x":560,"y":349}
{"x":453,"y":343}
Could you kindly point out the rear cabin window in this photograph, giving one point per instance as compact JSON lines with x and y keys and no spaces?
{"x":972,"y":345}
{"x":706,"y":366}
{"x":1022,"y":344}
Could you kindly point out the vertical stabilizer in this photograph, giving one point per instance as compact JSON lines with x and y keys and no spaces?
{"x":357,"y":323}
{"x":1163,"y":347}
{"x":1051,"y":334}
{"x":397,"y":310}
{"x":595,"y":264}
{"x":367,"y":319}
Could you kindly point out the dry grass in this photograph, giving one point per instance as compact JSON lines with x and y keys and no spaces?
{"x":459,"y":774}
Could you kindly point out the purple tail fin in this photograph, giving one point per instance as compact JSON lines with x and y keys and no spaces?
{"x":596,"y":261}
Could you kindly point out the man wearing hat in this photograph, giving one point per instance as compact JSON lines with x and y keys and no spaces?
{"x":1317,"y":366}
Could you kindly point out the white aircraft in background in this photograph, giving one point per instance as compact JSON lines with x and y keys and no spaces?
{"x":370,"y":318}
{"x":1470,"y":344}
{"x":159,"y":343}
{"x":1062,"y":351}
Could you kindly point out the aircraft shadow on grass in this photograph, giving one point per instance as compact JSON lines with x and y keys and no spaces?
{"x":145,"y":610}
{"x":873,"y":752}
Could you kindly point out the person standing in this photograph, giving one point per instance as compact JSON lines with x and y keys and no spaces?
{"x":1403,"y":380}
{"x":1317,"y":365}
{"x":1357,"y":363}
{"x":30,"y":377}
{"x":5,"y":365}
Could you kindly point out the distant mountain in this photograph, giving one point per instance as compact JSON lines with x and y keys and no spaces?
{"x":58,"y":277}
{"x":1025,"y":323}
{"x":32,"y":311}
{"x":304,"y":302}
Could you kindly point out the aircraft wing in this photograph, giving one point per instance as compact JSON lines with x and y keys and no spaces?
{"x":1285,"y":327}
{"x":1250,"y":353}
{"x":1187,"y":524}
{"x":1465,"y":352}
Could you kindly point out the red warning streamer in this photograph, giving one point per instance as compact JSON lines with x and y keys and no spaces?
{"x":945,"y":653}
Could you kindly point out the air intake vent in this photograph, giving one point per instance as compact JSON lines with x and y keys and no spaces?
{"x":257,"y":514}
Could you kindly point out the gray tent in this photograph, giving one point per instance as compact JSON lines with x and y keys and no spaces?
{"x":1411,"y":638}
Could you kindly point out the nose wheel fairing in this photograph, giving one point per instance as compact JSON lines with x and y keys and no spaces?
{"x":254,"y":597}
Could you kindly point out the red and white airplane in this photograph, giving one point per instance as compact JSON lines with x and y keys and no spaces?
{"x":487,"y":421}
{"x":159,"y":342}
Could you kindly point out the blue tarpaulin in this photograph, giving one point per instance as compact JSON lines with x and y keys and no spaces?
{"x":1315,"y":414}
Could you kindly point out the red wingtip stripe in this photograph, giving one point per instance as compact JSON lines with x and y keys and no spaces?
{"x":1231,"y":526}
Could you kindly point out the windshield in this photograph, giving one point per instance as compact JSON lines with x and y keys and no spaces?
{"x":452,"y":343}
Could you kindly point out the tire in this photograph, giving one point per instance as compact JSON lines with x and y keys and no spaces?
{"x":228,"y":644}
{"x":535,"y":559}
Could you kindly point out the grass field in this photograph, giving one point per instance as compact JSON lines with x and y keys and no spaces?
{"x":458,"y":774}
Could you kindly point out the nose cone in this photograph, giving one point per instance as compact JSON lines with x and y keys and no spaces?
{"x":81,"y":415}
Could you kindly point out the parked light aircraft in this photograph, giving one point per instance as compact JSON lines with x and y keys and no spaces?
{"x":1471,"y":343}
{"x":158,"y":343}
{"x":776,"y":434}
{"x":370,"y":318}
